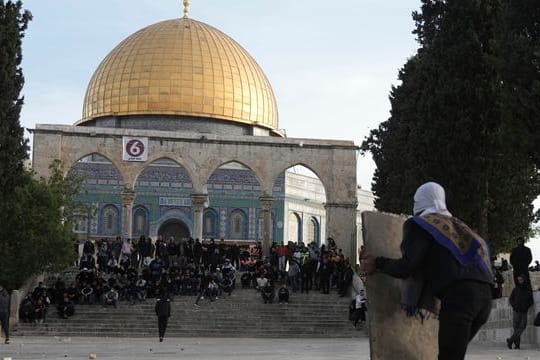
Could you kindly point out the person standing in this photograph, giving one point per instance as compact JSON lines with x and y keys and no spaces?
{"x":442,"y":258}
{"x":4,"y":312}
{"x":359,"y":308}
{"x":325,"y":270}
{"x":521,"y":300}
{"x":520,"y":258}
{"x":163,"y":312}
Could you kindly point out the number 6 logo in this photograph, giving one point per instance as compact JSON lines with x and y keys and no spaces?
{"x":135,"y":147}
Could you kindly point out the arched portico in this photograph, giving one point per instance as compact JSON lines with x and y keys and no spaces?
{"x":174,"y":228}
{"x":333,"y":161}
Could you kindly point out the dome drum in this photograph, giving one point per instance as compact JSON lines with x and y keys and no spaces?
{"x":178,"y":123}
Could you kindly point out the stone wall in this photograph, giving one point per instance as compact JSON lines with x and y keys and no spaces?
{"x":17,"y":297}
{"x":499,"y":326}
{"x":509,"y":281}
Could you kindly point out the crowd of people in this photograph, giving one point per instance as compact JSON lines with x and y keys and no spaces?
{"x":119,"y":270}
{"x":123,"y":270}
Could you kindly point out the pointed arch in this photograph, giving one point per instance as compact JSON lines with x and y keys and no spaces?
{"x":210,"y":223}
{"x":110,"y":220}
{"x":294,"y":227}
{"x":313,"y":231}
{"x":166,"y":161}
{"x":223,"y":164}
{"x":140,"y":221}
{"x":166,"y":173}
{"x":238,"y":224}
{"x":96,"y":168}
{"x":300,"y":183}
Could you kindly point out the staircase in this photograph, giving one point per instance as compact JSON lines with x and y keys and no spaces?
{"x":243,"y":314}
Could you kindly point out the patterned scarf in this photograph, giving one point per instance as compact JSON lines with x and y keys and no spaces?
{"x":467,"y":247}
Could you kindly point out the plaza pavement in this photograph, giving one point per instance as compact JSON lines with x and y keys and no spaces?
{"x":34,"y":348}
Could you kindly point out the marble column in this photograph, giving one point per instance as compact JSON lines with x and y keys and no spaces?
{"x":266,"y":203}
{"x":341,"y":226}
{"x":197,"y":202}
{"x":128,"y":196}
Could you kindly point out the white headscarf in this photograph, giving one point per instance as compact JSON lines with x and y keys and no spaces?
{"x":430,"y":199}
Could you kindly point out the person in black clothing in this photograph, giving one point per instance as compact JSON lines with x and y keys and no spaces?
{"x":325,"y":270}
{"x":455,"y":265}
{"x":172,"y":251}
{"x":521,"y":300}
{"x":66,"y":308}
{"x":88,"y":247}
{"x":283,"y":294}
{"x":163,"y":312}
{"x":305,"y":278}
{"x":267,"y":292}
{"x":4,"y":312}
{"x":520,"y":258}
{"x":197,"y":252}
{"x":346,"y":279}
{"x":498,"y":283}
{"x":234,"y":255}
{"x":205,"y":282}
{"x":26,"y":310}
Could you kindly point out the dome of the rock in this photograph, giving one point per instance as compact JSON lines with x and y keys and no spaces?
{"x":181,"y":69}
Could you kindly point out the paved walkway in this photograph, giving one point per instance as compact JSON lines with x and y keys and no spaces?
{"x":34,"y":348}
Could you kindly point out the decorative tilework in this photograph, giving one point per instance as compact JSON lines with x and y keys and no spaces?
{"x":92,"y":170}
{"x":165,"y":174}
{"x":222,"y":222}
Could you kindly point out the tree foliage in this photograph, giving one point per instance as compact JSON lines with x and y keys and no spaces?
{"x":13,"y":147}
{"x":36,"y":234}
{"x":40,"y":236}
{"x":463,"y":116}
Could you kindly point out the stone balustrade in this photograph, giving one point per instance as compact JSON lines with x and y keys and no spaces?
{"x":499,"y":326}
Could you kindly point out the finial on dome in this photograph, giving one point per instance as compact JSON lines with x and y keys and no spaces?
{"x":186,"y":8}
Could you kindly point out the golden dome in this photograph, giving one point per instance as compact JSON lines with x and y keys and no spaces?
{"x":181,"y":67}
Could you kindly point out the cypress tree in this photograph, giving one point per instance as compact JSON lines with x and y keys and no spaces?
{"x":451,"y":122}
{"x":13,"y":146}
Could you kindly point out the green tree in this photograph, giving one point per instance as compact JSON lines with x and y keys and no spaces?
{"x":449,"y":123}
{"x":36,"y":233}
{"x":518,"y":39}
{"x":13,"y":145}
{"x":39,"y":236}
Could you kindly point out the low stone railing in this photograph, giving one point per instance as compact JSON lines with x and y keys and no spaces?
{"x":508,"y":285}
{"x":18,"y":295}
{"x":499,"y":326}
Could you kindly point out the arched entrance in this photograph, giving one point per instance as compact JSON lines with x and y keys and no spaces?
{"x":174,"y":228}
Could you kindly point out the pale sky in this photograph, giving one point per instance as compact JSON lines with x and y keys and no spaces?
{"x":331,"y":64}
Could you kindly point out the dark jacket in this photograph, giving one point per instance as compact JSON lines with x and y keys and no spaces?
{"x":421,"y":252}
{"x":163,"y":308}
{"x":521,"y":298}
{"x":4,"y":302}
{"x":520,"y":258}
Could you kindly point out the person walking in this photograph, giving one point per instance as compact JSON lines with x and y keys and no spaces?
{"x":4,"y":312}
{"x":521,"y":300}
{"x":441,"y":257}
{"x":163,"y":312}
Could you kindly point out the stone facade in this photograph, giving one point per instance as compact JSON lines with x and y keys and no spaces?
{"x":192,"y":180}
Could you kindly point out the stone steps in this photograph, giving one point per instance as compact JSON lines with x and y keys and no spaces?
{"x":241,"y":315}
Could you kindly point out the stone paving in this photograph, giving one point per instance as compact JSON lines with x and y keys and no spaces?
{"x":34,"y":348}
